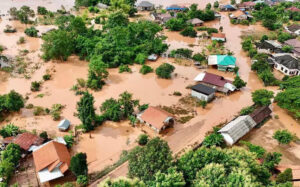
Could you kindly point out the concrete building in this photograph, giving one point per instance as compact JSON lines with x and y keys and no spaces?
{"x":286,"y":63}
{"x":203,"y":92}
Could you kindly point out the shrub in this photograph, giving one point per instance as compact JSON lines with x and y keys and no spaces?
{"x":56,"y":111}
{"x":238,"y":82}
{"x":32,"y":32}
{"x":189,"y":31}
{"x":21,"y":40}
{"x":199,"y":57}
{"x":283,"y":136}
{"x":143,"y":139}
{"x":9,"y":130}
{"x":46,"y":77}
{"x":244,"y":22}
{"x":69,"y":139}
{"x":143,"y":107}
{"x":145,"y":69}
{"x":82,"y":180}
{"x":176,"y":93}
{"x":164,"y":71}
{"x":214,"y":139}
{"x":42,"y":10}
{"x":181,"y":52}
{"x":287,"y":48}
{"x":285,"y":176}
{"x":258,"y":150}
{"x":247,"y":110}
{"x":124,"y":68}
{"x":44,"y":135}
{"x":78,"y":164}
{"x":140,"y":58}
{"x":38,"y":110}
{"x":35,"y":86}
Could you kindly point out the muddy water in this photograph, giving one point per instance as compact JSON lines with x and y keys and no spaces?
{"x":52,"y":5}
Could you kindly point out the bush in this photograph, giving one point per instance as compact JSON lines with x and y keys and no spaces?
{"x":9,"y":130}
{"x":32,"y":32}
{"x":164,"y":71}
{"x":244,"y":22}
{"x":38,"y":110}
{"x":78,"y":164}
{"x":189,"y":31}
{"x":140,"y":58}
{"x":42,"y":10}
{"x":82,"y":180}
{"x":44,"y":135}
{"x":21,"y":40}
{"x":238,"y":82}
{"x":176,"y":93}
{"x":214,"y":139}
{"x":247,"y":110}
{"x":145,"y":69}
{"x":285,"y":176}
{"x":143,"y":107}
{"x":287,"y":48}
{"x":35,"y":86}
{"x":69,"y":139}
{"x":124,"y":68}
{"x":46,"y":77}
{"x":199,"y":57}
{"x":143,"y":139}
{"x":182,"y":52}
{"x":283,"y":136}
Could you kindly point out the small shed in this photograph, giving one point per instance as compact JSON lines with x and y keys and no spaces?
{"x":196,"y":22}
{"x":203,"y":92}
{"x":152,"y":57}
{"x":64,"y":125}
{"x":236,"y":129}
{"x":218,"y":37}
{"x":145,"y":6}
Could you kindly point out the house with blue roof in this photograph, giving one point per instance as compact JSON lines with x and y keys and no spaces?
{"x":176,"y":8}
{"x":223,"y":62}
{"x":228,"y":8}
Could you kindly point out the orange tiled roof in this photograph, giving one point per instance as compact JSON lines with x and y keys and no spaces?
{"x":26,"y":140}
{"x":50,"y":155}
{"x":155,"y":116}
{"x":238,"y":13}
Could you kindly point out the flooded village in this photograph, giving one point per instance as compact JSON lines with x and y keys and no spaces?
{"x":227,"y":83}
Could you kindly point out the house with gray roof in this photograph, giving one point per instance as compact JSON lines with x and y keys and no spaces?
{"x":195,"y":22}
{"x":203,"y":92}
{"x":286,"y":63}
{"x":293,"y":29}
{"x":296,"y":46}
{"x":237,"y":128}
{"x":145,"y":6}
{"x":269,"y":47}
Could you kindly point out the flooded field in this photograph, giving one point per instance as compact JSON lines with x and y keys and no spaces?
{"x":104,"y":145}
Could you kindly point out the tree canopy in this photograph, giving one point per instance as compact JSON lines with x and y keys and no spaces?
{"x":86,"y":111}
{"x":262,"y":97}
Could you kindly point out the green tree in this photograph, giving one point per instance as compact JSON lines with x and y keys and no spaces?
{"x":271,"y":160}
{"x":145,"y":69}
{"x":111,"y":109}
{"x":176,"y":24}
{"x":82,"y":180}
{"x":285,"y":176}
{"x":69,"y":139}
{"x":258,"y":150}
{"x":214,"y":139}
{"x":86,"y":111}
{"x":44,"y":135}
{"x":283,"y":136}
{"x":97,"y":73}
{"x":12,"y":154}
{"x":13,"y":101}
{"x":9,"y":130}
{"x":58,"y":44}
{"x":23,"y":14}
{"x":262,"y":97}
{"x":289,"y":99}
{"x":127,"y":103}
{"x":78,"y":164}
{"x":42,"y":10}
{"x":164,"y":71}
{"x":169,"y":179}
{"x":189,"y":31}
{"x":238,"y":82}
{"x":122,"y":182}
{"x":6,"y":170}
{"x":155,"y":156}
{"x":116,"y":19}
{"x":143,"y":139}
{"x":31,"y":31}
{"x":216,"y":4}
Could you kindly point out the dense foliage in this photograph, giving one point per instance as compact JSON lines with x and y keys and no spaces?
{"x":214,"y":139}
{"x":164,"y":71}
{"x":23,"y":14}
{"x":31,"y":31}
{"x":239,"y":83}
{"x":78,"y":164}
{"x":86,"y":111}
{"x":289,"y":99}
{"x":11,"y":102}
{"x":9,"y":130}
{"x":262,"y":97}
{"x":283,"y":136}
{"x":145,"y":69}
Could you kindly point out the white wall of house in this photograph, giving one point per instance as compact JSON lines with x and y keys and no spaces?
{"x":218,"y":39}
{"x":264,"y":51}
{"x":202,"y":96}
{"x":227,"y":138}
{"x":286,"y":71}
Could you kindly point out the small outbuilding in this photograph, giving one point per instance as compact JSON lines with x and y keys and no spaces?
{"x":293,"y":29}
{"x":156,"y":118}
{"x":145,"y":6}
{"x":223,"y":62}
{"x":218,"y":37}
{"x":236,"y":129}
{"x":196,"y":22}
{"x":203,"y":92}
{"x":153,"y":57}
{"x":64,"y":125}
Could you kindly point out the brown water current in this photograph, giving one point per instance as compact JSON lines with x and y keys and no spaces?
{"x":104,"y":145}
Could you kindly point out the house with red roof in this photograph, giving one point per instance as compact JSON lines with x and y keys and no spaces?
{"x":293,"y":9}
{"x":27,"y":141}
{"x":217,"y":82}
{"x":156,"y":118}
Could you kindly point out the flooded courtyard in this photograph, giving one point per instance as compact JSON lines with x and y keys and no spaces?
{"x":105,"y":144}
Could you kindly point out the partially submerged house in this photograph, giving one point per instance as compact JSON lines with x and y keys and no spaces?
{"x":64,"y":125}
{"x":269,"y":47}
{"x":203,"y":92}
{"x":223,"y":62}
{"x":296,"y":46}
{"x":293,"y":29}
{"x":218,"y":37}
{"x":241,"y":125}
{"x":195,"y":22}
{"x":228,"y":7}
{"x":51,"y":161}
{"x":249,"y":5}
{"x":239,"y":15}
{"x":176,"y":8}
{"x":156,"y":118}
{"x":216,"y":82}
{"x":286,"y":63}
{"x":236,"y":129}
{"x":27,"y":141}
{"x":145,"y":6}
{"x":161,"y":18}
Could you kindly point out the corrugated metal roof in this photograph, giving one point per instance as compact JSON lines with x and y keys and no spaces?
{"x":238,"y":127}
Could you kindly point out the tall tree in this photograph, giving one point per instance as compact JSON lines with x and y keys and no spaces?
{"x":86,"y":111}
{"x":262,"y":97}
{"x":78,"y":164}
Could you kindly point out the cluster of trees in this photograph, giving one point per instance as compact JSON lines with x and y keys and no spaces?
{"x":24,"y":14}
{"x":289,"y":98}
{"x":11,"y":102}
{"x":164,"y":71}
{"x":273,"y":17}
{"x":111,"y":109}
{"x":79,"y":168}
{"x":180,"y":22}
{"x":10,"y":158}
{"x":120,"y":42}
{"x":153,"y":165}
{"x":260,"y":64}
{"x":31,"y":31}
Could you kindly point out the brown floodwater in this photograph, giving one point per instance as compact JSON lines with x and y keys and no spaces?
{"x":108,"y":141}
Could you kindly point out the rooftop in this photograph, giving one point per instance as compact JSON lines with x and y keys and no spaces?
{"x":293,"y":28}
{"x":195,"y":21}
{"x":287,"y":60}
{"x":26,"y":140}
{"x":213,"y":79}
{"x":203,"y":89}
{"x":218,"y":35}
{"x":260,"y":114}
{"x":145,"y":4}
{"x":155,"y":116}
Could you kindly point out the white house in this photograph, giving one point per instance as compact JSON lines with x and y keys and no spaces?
{"x":237,"y":128}
{"x":203,"y":92}
{"x":286,"y":63}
